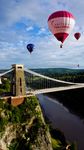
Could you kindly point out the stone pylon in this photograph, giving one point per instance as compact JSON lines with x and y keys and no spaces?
{"x":18,"y":87}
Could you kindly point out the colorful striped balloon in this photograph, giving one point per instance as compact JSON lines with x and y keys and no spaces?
{"x":61,"y":24}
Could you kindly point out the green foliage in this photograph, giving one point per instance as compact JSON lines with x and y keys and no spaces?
{"x":56,"y":144}
{"x":1,"y":104}
{"x":20,"y":144}
{"x":28,"y":123}
{"x":74,"y":75}
{"x":3,"y":123}
{"x":13,"y":145}
{"x":19,"y":114}
{"x":29,"y":138}
{"x":5,"y":86}
{"x":57,"y":134}
{"x":2,"y":91}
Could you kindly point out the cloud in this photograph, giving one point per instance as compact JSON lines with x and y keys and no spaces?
{"x":42,"y":31}
{"x":12,"y":12}
{"x":29,"y":28}
{"x":23,"y":21}
{"x":36,"y":11}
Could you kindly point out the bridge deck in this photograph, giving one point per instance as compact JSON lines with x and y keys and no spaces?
{"x":48,"y":90}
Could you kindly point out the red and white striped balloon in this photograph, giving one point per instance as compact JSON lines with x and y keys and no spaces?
{"x":61,"y":24}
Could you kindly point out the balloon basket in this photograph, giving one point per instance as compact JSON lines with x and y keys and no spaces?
{"x":61,"y":46}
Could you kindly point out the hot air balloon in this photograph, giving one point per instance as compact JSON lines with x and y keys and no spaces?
{"x":30,"y":47}
{"x":77,"y":35}
{"x":61,"y":24}
{"x":78,"y":65}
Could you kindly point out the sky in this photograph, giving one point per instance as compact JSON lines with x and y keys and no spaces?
{"x":25,"y":21}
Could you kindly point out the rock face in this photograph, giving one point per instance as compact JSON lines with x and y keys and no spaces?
{"x":23,"y":127}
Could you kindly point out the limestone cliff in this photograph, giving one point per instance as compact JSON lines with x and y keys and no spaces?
{"x":23,"y":127}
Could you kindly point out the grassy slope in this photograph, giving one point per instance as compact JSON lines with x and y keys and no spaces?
{"x":23,"y":126}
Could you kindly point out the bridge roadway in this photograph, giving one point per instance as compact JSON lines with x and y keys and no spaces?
{"x":56,"y":89}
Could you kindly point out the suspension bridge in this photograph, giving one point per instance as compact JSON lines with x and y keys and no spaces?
{"x":25,"y":81}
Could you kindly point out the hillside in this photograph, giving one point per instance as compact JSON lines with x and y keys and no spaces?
{"x":70,"y":75}
{"x":53,"y":70}
{"x":58,"y":70}
{"x":23,"y":127}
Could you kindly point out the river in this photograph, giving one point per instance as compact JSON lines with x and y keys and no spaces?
{"x":60,"y":117}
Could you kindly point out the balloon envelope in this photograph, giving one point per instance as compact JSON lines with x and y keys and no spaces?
{"x":61,"y":24}
{"x":77,"y":35}
{"x":30,"y":47}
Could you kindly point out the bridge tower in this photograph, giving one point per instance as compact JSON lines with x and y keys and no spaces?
{"x":18,"y":87}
